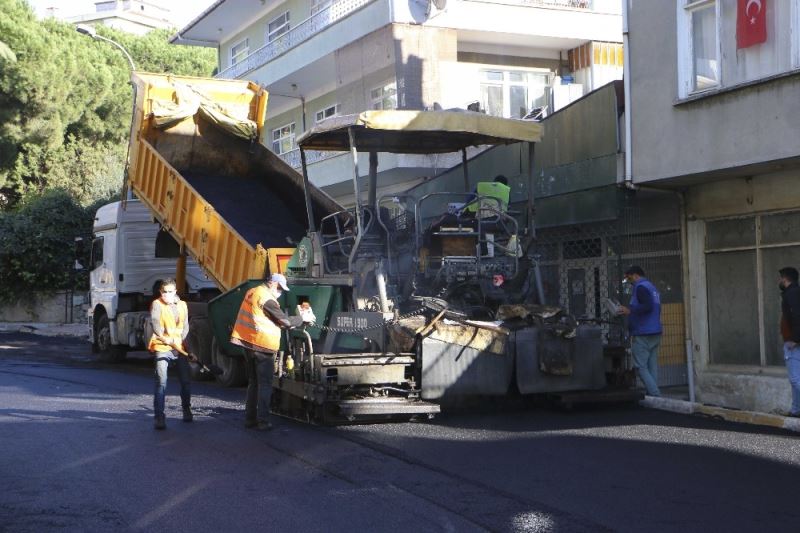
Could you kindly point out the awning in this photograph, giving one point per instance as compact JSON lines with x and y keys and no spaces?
{"x":418,"y":132}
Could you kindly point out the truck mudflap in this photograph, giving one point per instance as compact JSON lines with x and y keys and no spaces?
{"x":547,"y":363}
{"x":462,"y":360}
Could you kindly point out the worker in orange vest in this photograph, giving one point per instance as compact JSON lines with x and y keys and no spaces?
{"x":258,"y":330}
{"x":170,"y":320}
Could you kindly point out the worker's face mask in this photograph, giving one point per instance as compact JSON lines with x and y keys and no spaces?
{"x":276,"y":290}
{"x":627,"y":286}
{"x":169,"y":296}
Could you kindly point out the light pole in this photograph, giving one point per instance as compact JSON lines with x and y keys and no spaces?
{"x":91,"y":32}
{"x":85,"y":29}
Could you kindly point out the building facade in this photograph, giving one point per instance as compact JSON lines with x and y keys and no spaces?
{"x":131,"y":16}
{"x":715,"y":95}
{"x":320,"y":58}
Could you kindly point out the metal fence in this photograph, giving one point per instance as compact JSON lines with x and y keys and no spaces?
{"x":582,"y":267}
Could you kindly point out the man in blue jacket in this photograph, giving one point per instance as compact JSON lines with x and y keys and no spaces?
{"x":644,"y":324}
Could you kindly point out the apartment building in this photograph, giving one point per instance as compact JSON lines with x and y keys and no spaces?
{"x":132,"y":16}
{"x":321,"y":58}
{"x":715,"y":99}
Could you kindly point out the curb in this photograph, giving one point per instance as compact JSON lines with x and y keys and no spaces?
{"x":731,"y":415}
{"x":76,"y":330}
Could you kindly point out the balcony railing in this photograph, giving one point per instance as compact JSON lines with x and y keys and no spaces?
{"x":574,"y":4}
{"x":292,"y":158}
{"x":302,"y":32}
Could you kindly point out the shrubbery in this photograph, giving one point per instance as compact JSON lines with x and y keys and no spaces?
{"x":37,"y":246}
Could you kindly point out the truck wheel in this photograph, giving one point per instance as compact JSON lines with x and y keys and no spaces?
{"x":107,"y":352}
{"x":233,"y":371}
{"x":198,"y":342}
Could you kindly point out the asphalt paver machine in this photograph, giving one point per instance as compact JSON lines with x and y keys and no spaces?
{"x":451,"y":289}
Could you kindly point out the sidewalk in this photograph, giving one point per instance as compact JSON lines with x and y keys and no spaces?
{"x":49,"y":330}
{"x":675,"y":399}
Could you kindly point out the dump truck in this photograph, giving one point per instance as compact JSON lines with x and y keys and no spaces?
{"x":124,"y":276}
{"x":220,"y":197}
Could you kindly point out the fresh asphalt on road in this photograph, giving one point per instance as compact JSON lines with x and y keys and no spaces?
{"x":79,"y":454}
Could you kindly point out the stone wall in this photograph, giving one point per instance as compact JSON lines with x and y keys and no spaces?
{"x":49,"y":308}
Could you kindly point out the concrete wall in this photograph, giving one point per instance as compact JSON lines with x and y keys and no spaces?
{"x":58,"y":308}
{"x":363,"y":65}
{"x":419,"y":52}
{"x":720,"y":131}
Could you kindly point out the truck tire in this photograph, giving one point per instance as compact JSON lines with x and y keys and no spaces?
{"x":199,"y":342}
{"x":233,"y":371}
{"x":107,"y":352}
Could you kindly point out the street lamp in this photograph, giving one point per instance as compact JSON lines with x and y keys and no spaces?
{"x":91,"y":32}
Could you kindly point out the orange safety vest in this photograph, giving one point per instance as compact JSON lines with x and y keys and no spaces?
{"x":173,"y":329}
{"x":252,"y":325}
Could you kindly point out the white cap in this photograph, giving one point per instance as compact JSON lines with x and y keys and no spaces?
{"x":280,"y":279}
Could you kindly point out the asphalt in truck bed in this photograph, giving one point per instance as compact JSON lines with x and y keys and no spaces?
{"x":251,"y":208}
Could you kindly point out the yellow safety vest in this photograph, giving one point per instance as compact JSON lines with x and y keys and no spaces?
{"x":173,"y":329}
{"x":491,"y":191}
{"x":252,"y":325}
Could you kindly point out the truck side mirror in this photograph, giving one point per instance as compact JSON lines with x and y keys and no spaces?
{"x":79,"y":251}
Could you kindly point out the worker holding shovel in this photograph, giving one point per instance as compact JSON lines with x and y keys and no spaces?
{"x":170,"y":320}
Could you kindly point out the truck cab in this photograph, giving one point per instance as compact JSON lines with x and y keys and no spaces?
{"x":124,"y":278}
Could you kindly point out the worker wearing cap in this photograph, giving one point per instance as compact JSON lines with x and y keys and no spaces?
{"x":258,"y":330}
{"x":644,"y":324}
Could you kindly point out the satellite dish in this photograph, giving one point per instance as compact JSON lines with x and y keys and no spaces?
{"x":440,"y":4}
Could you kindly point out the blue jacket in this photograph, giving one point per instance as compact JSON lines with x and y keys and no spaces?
{"x":645,"y":306}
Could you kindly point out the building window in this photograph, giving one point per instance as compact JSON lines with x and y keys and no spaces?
{"x":328,"y":112}
{"x":239,"y":51}
{"x":384,"y":97}
{"x":283,"y":139}
{"x":277,"y":26}
{"x":705,"y":46}
{"x":319,"y":5}
{"x":711,"y":56}
{"x":513,"y":93}
{"x":743,"y":256}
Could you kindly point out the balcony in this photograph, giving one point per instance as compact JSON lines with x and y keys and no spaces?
{"x":574,"y":4}
{"x":297,"y":35}
{"x":292,"y":158}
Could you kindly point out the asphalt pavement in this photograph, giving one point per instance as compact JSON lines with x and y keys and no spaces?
{"x":80,"y":454}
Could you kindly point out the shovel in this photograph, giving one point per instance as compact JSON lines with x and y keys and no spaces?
{"x":211,"y":369}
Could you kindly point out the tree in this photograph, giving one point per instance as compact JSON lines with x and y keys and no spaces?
{"x":65,"y":111}
{"x":65,"y":102}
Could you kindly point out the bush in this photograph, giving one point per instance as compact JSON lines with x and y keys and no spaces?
{"x":37,"y":246}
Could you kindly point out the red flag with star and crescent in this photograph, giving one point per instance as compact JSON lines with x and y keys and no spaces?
{"x":751,"y":23}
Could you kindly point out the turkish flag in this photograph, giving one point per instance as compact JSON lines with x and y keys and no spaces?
{"x":751,"y":23}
